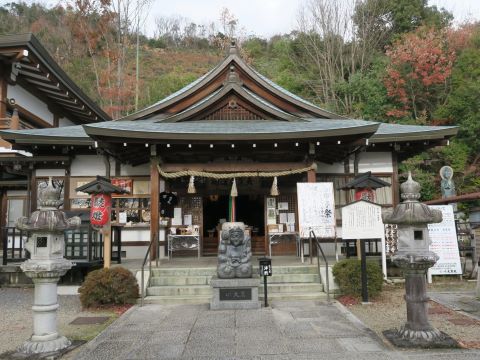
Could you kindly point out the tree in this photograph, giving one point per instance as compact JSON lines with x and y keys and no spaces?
{"x":332,"y":48}
{"x":462,"y":106}
{"x":418,"y":74}
{"x":392,"y":18}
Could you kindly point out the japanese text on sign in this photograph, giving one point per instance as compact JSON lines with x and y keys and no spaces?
{"x":444,"y":243}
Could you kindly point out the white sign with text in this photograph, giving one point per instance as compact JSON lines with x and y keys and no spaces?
{"x":362,"y":220}
{"x":316,"y":209}
{"x":444,"y":243}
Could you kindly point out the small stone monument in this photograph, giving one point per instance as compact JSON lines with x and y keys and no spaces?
{"x":447,"y":185}
{"x":414,"y":257}
{"x":46,"y":244}
{"x":234,"y":287}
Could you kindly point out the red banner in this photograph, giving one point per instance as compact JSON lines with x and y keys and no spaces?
{"x":100,"y":209}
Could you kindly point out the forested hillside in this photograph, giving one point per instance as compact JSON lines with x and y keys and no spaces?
{"x":398,"y":61}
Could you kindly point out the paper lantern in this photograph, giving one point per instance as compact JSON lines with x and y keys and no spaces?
{"x":101,"y":205}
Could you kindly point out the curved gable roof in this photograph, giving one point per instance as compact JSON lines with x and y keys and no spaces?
{"x":259,"y":87}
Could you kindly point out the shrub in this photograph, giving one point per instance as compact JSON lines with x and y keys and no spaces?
{"x":108,"y":287}
{"x":348,"y":276}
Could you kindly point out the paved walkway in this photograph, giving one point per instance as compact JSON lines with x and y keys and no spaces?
{"x":287,"y":330}
{"x":464,"y":301}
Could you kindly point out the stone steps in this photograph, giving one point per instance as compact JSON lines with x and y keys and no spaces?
{"x":177,"y":280}
{"x":290,"y":288}
{"x":192,"y":285}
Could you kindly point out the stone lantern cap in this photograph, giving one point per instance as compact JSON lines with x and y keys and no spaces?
{"x":410,"y":211}
{"x":47,"y":217}
{"x":101,"y":186}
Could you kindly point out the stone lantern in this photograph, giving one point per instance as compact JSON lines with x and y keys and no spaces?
{"x":46,"y":265}
{"x":414,"y":258}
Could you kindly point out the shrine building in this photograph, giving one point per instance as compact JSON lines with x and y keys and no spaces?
{"x":230,"y":125}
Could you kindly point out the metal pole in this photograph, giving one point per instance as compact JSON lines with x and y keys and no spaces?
{"x":265,"y":290}
{"x":364,"y":272}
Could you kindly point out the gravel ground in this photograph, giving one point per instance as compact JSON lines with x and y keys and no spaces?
{"x":388,"y":311}
{"x":16,"y":321}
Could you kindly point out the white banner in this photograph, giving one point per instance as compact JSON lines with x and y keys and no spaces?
{"x":316,"y":209}
{"x":444,"y":243}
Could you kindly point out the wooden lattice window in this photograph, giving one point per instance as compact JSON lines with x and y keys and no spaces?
{"x":192,"y":205}
{"x":232,"y":111}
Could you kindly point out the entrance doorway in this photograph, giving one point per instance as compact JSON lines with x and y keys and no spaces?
{"x":249,"y":210}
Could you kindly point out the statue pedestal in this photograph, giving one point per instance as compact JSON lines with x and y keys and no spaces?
{"x":237,"y":293}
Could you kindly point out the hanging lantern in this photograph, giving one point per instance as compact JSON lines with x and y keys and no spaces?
{"x":274,"y":190}
{"x":234,"y":192}
{"x":101,"y":205}
{"x":191,"y":186}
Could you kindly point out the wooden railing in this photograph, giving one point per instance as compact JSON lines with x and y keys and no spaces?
{"x":5,"y":123}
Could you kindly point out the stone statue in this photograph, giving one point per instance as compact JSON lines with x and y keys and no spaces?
{"x":234,"y":252}
{"x":447,"y":185}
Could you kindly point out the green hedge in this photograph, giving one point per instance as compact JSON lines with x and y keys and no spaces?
{"x":109,"y":287}
{"x":348,"y":276}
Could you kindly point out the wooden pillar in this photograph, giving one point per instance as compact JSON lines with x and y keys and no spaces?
{"x":33,"y":192}
{"x":154,"y":206}
{"x":395,"y":183}
{"x":311,"y":176}
{"x":66,"y":186}
{"x":3,"y":101}
{"x":107,"y":244}
{"x":3,"y":215}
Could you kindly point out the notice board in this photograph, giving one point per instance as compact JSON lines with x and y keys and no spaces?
{"x":316,"y":210}
{"x":444,"y":243}
{"x":362,"y":220}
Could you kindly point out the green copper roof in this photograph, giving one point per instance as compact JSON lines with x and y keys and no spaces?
{"x":395,"y":132}
{"x":231,"y":129}
{"x":62,"y":135}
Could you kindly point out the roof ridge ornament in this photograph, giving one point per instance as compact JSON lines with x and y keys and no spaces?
{"x":232,"y":76}
{"x":233,"y":47}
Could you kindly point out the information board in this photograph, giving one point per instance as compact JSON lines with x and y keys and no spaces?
{"x":362,"y":220}
{"x":316,"y":209}
{"x":444,"y":243}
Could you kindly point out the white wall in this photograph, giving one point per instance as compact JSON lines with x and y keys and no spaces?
{"x":128,"y":170}
{"x":376,"y":162}
{"x":49,"y":172}
{"x":65,"y":122}
{"x":87,"y":165}
{"x":30,"y":102}
{"x":133,"y":234}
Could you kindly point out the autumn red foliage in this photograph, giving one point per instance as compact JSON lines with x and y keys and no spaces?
{"x":420,"y":66}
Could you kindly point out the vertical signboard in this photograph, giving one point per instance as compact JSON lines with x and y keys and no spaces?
{"x":316,"y":210}
{"x":444,"y":243}
{"x":362,"y":220}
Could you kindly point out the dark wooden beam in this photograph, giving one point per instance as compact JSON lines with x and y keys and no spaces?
{"x":154,"y":207}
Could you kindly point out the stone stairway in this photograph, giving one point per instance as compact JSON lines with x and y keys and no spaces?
{"x":192,"y":285}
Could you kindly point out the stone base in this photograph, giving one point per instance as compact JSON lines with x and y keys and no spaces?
{"x":235,"y":293}
{"x":37,"y":347}
{"x":426,"y":339}
{"x":41,"y":356}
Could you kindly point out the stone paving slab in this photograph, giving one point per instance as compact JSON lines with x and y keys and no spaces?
{"x":291,"y":330}
{"x":465,"y":302}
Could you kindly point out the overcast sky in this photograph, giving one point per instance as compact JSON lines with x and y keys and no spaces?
{"x":263,"y":17}
{"x":269,"y":17}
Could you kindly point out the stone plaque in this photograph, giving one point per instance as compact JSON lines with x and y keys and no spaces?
{"x":235,"y":294}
